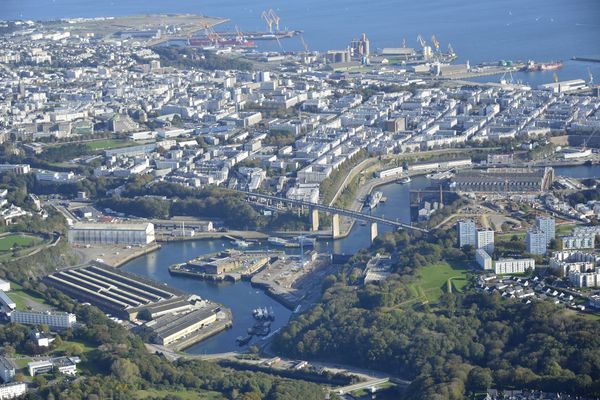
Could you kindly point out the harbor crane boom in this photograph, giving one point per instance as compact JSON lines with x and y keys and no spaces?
{"x":421,"y":41}
{"x":275,"y":18}
{"x":265,"y":15}
{"x":435,"y":42}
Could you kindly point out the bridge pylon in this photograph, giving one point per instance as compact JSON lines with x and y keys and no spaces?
{"x":314,"y":219}
{"x":335,"y":225}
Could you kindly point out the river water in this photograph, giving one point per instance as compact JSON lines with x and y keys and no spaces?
{"x":242,"y":298}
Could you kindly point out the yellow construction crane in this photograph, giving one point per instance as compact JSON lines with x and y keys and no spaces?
{"x":265,"y":15}
{"x":274,"y":18}
{"x":435,"y":42}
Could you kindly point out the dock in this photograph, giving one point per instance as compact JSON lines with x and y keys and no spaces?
{"x":587,"y":58}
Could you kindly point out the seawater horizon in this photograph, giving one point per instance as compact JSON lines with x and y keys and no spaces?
{"x":542,"y":30}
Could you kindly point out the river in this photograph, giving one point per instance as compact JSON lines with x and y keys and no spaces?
{"x":242,"y":298}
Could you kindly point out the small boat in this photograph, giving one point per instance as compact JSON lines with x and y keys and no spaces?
{"x":374,"y":199}
{"x":241,"y":243}
{"x":403,"y":181}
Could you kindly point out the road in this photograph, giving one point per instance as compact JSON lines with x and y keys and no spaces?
{"x":369,"y":378}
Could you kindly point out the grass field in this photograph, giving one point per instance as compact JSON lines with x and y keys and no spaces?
{"x":435,"y":279}
{"x":184,"y":394}
{"x":7,"y":242}
{"x":24,"y":298}
{"x":106,"y":144}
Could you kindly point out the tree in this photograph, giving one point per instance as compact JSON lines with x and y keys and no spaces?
{"x":479,"y":379}
{"x":145,"y":315}
{"x":124,"y":370}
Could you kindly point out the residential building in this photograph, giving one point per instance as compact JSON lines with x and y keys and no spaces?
{"x":7,"y":369}
{"x":483,"y":259}
{"x":485,"y":240}
{"x":576,"y":242}
{"x":467,"y":233}
{"x":13,"y":390}
{"x":95,"y":233}
{"x":548,"y":226}
{"x":585,"y":278}
{"x":513,"y":265}
{"x":535,"y":242}
{"x":54,"y":319}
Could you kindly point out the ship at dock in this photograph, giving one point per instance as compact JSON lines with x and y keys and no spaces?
{"x":532,"y":66}
{"x":374,"y":199}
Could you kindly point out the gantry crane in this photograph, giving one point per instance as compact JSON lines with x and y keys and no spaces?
{"x":265,"y":15}
{"x":435,"y":42}
{"x":275,"y":18}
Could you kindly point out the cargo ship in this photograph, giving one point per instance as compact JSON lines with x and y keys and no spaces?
{"x":532,"y":66}
{"x":221,"y":42}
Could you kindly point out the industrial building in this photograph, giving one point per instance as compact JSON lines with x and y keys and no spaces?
{"x":119,"y":293}
{"x":54,"y":319}
{"x":505,"y":180}
{"x":96,"y":233}
{"x":64,"y":365}
{"x":170,"y":328}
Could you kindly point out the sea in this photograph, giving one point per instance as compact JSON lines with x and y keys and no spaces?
{"x":479,"y":31}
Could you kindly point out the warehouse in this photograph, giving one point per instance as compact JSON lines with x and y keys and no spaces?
{"x":95,"y":234}
{"x":170,"y":328}
{"x":522,"y":180}
{"x":119,"y":293}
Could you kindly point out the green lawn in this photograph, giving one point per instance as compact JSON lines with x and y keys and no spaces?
{"x":106,"y":144}
{"x":184,"y":394}
{"x":23,"y":297}
{"x":7,"y":242}
{"x":436,"y":279}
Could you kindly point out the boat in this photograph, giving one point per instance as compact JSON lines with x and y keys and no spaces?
{"x":532,"y":66}
{"x":276,"y":241}
{"x":374,"y":199}
{"x":243,"y":340}
{"x":241,"y":243}
{"x":264,"y":314}
{"x":404,"y":180}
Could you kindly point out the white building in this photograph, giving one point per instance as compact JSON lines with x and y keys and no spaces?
{"x":548,"y":226}
{"x":6,"y":301}
{"x":467,"y":233}
{"x":64,"y":365}
{"x":585,"y":279}
{"x":13,"y":390}
{"x":513,"y":265}
{"x":92,"y":233}
{"x":54,"y":319}
{"x":576,"y":261}
{"x":4,"y":285}
{"x":485,"y":240}
{"x":575,"y":242}
{"x":536,"y":242}
{"x":483,"y":259}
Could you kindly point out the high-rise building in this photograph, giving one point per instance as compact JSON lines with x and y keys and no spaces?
{"x":485,"y":240}
{"x":467,"y":233}
{"x":548,"y":226}
{"x":536,"y":242}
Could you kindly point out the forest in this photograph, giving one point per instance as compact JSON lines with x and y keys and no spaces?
{"x":465,"y":343}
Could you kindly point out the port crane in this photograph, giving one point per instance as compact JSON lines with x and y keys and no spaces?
{"x":265,"y":15}
{"x":591,"y":77}
{"x":435,"y":42}
{"x":451,"y":50}
{"x":304,"y":44}
{"x":275,"y":18}
{"x":421,"y":41}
